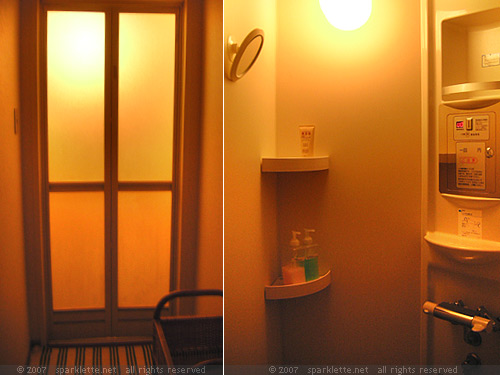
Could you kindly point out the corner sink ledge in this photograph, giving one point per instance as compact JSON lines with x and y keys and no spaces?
{"x":464,"y":249}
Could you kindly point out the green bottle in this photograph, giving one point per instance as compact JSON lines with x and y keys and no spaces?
{"x":311,"y":256}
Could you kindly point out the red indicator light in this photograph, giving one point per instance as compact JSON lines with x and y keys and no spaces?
{"x":459,"y":124}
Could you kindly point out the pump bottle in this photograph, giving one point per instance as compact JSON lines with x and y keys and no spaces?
{"x":311,"y":268}
{"x":294,"y":271}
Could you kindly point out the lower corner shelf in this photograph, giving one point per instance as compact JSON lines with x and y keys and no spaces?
{"x":280,"y":291}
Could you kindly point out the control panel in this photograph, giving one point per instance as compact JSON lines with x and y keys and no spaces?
{"x":467,"y":161}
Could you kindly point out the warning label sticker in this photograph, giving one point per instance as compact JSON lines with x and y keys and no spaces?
{"x":470,"y":223}
{"x":471,"y":165}
{"x":490,"y":59}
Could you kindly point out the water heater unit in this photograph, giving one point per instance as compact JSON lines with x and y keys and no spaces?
{"x":467,"y":161}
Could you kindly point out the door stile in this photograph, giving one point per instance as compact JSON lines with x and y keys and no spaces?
{"x":113,"y":251}
{"x":108,"y":170}
{"x":44,"y":173}
{"x":177,"y":176}
{"x":178,"y":145}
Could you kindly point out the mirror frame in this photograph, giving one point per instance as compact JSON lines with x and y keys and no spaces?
{"x":235,"y":53}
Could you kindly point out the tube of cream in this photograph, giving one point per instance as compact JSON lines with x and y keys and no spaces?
{"x":307,"y":140}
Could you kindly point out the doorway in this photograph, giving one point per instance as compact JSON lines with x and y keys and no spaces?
{"x":109,"y":162}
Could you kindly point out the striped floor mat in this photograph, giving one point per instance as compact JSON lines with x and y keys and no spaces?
{"x":131,"y":356}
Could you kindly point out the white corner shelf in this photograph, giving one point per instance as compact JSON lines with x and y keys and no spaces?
{"x":471,"y":202}
{"x":470,"y":198}
{"x":479,"y":94}
{"x":473,"y":103}
{"x":471,"y":87}
{"x":464,"y":249}
{"x":295,"y":164}
{"x":280,"y":291}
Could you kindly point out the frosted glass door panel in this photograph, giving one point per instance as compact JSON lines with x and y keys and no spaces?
{"x":143,"y":247}
{"x":146,"y":96}
{"x":75,"y":95}
{"x":77,"y":249}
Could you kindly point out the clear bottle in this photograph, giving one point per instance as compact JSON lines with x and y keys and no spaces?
{"x":294,"y":272}
{"x":311,"y":268}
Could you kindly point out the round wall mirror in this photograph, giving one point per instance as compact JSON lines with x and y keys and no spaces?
{"x":241,"y":58}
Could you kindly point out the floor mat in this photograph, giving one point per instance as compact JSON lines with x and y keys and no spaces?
{"x":133,"y":356}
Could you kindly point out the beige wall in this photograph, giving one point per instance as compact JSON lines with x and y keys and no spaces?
{"x":210,"y":246}
{"x":252,"y":326}
{"x":362,"y":91}
{"x":14,"y":342}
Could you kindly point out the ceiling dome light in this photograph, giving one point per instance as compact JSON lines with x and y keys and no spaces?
{"x":346,"y":14}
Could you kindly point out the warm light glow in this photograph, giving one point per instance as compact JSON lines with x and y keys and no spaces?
{"x":75,"y":95}
{"x":76,"y":43}
{"x":346,"y":14}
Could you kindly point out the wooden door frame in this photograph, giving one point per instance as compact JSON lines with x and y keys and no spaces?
{"x":189,"y":117}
